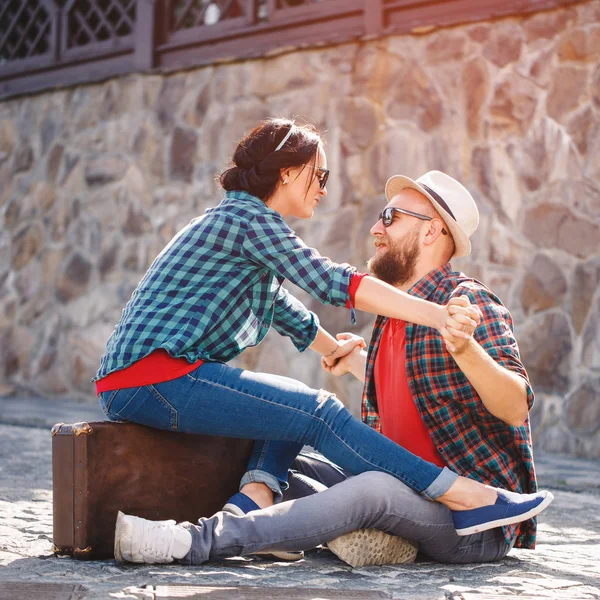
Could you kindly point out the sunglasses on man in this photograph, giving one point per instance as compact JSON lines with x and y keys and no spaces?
{"x":387,"y":216}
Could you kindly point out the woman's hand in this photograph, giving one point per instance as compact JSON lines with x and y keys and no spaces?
{"x":351,"y":363}
{"x":347,"y":342}
{"x":461,"y":321}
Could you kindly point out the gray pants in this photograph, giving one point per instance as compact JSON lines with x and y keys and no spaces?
{"x":325,"y":503}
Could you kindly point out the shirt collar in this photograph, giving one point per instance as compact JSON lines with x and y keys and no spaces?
{"x":235,"y":197}
{"x":427,"y":285}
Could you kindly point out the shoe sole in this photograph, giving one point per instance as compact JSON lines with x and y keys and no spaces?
{"x":278,"y":554}
{"x":508,"y":520}
{"x":369,"y":547}
{"x":119,"y":527}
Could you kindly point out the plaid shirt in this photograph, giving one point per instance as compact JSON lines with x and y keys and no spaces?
{"x":472,"y":442}
{"x":217,"y":288}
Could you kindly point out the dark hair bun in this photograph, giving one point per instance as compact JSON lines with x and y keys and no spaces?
{"x":257,"y":164}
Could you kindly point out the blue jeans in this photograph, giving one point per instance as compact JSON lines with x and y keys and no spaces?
{"x":216,"y":399}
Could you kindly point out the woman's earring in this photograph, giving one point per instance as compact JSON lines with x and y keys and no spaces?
{"x":285,"y":181}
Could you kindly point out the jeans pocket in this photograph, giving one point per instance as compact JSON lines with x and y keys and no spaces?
{"x":105,"y":399}
{"x":146,"y":406}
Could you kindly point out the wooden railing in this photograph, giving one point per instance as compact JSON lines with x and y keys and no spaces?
{"x":52,"y":43}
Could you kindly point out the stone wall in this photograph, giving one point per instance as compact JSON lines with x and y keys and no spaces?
{"x":94,"y":180}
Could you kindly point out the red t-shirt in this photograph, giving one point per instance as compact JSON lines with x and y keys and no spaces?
{"x":400,"y":417}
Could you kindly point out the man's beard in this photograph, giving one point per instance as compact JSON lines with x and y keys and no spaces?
{"x":397,"y":264}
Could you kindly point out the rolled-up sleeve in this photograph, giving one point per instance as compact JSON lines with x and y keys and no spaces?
{"x":292,"y":319}
{"x":495,"y":332}
{"x":270,"y":242}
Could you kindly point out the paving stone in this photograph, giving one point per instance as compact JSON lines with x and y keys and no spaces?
{"x":564,"y":564}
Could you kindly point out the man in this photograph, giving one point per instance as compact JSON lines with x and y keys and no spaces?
{"x":463,"y":406}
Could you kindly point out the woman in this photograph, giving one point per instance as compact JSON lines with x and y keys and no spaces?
{"x":216,"y":289}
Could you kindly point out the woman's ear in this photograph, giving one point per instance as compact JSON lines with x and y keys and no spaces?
{"x":284,"y":175}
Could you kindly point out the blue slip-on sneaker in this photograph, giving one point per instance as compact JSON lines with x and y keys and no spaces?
{"x":508,"y":509}
{"x":239,"y":504}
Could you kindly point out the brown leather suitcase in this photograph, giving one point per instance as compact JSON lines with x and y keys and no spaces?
{"x":99,"y":468}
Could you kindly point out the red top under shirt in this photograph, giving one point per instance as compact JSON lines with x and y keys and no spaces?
{"x":159,"y":366}
{"x":400,"y":417}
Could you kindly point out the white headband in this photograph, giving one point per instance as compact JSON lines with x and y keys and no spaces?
{"x":286,"y":138}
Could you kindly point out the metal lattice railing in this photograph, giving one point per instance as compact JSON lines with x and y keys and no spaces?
{"x":93,"y":21}
{"x":24,"y":30}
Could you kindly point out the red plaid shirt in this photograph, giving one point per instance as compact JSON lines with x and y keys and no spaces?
{"x":472,"y":441}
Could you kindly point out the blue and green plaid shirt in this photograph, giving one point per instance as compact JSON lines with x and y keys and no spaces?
{"x":472,"y":442}
{"x":216,"y":288}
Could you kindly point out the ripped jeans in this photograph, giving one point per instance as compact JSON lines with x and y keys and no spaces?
{"x":285,"y":414}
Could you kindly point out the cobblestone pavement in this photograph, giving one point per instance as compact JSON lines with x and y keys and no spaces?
{"x":566,"y":563}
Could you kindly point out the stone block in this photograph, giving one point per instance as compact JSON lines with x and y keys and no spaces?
{"x":581,"y":44}
{"x":26,"y":244}
{"x":28,"y":281}
{"x":476,"y":84}
{"x":8,"y":311}
{"x":105,"y":169}
{"x":545,"y":155}
{"x":414,"y":97}
{"x":546,"y":347}
{"x":480,"y":33}
{"x":311,"y":104}
{"x":584,"y":127}
{"x":555,"y":226}
{"x":568,"y":91}
{"x":583,"y":407}
{"x":547,"y":25}
{"x":137,"y":223}
{"x":50,"y":127}
{"x":591,"y":167}
{"x":376,"y":70}
{"x":269,"y":77}
{"x":43,"y":196}
{"x":54,"y":162}
{"x":23,"y":158}
{"x":360,"y":121}
{"x":74,"y":279}
{"x":505,"y":248}
{"x":8,"y":137}
{"x":544,"y":285}
{"x":445,"y":46}
{"x":504,"y":45}
{"x":399,"y":150}
{"x":514,"y":103}
{"x":582,"y":196}
{"x":183,"y":154}
{"x":169,"y":98}
{"x":590,"y":353}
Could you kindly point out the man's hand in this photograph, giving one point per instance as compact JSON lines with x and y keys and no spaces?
{"x":462,"y":320}
{"x":347,"y":342}
{"x":353,"y":363}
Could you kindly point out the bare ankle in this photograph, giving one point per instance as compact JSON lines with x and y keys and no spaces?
{"x":260,"y":493}
{"x":466,"y":494}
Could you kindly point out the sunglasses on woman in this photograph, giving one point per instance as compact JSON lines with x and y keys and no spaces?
{"x":322,"y":175}
{"x":387,"y":216}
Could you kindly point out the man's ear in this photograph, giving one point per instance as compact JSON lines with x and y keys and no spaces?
{"x":434,"y":231}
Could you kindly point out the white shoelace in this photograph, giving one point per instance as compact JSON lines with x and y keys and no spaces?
{"x":158,"y":539}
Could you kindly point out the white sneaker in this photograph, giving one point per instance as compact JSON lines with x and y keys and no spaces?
{"x":366,"y":547}
{"x":139,"y":540}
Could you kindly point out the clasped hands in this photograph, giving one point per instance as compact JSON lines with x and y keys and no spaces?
{"x":461,"y":320}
